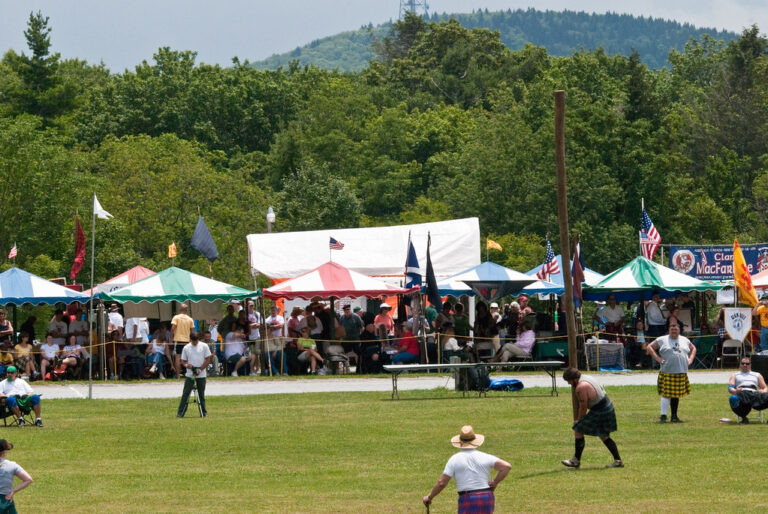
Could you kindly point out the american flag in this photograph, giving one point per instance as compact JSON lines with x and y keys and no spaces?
{"x":550,"y":266}
{"x":335,"y":245}
{"x":13,"y":253}
{"x":649,"y":237}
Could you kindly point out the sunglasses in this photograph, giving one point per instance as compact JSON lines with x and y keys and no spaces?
{"x":746,"y":363}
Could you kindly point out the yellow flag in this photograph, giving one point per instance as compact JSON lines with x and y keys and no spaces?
{"x":742,"y":278}
{"x":172,"y":250}
{"x":490,"y":244}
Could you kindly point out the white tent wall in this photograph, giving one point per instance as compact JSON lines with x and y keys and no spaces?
{"x":203,"y":310}
{"x":373,"y":251}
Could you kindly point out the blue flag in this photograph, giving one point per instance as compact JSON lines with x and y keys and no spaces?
{"x":433,"y":295}
{"x":203,"y":242}
{"x":413,"y":277}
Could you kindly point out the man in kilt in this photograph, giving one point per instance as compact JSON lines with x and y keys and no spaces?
{"x":472,"y":470}
{"x":596,"y":417}
{"x":675,"y":353}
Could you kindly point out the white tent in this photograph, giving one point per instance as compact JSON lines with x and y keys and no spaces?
{"x":374,"y":251}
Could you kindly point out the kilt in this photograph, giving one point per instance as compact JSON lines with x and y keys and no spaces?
{"x":600,"y":420}
{"x":477,"y":503}
{"x":673,"y":385}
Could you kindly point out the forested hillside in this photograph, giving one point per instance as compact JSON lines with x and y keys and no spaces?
{"x":445,"y":122}
{"x":561,"y":33}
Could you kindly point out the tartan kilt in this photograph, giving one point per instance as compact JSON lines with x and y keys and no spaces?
{"x":477,"y":503}
{"x":599,"y":420}
{"x":673,"y":385}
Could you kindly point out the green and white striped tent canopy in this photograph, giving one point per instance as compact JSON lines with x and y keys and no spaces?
{"x":152,"y":297}
{"x":638,"y":280}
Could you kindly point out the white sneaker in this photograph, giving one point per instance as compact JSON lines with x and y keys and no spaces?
{"x":234,"y":373}
{"x":153,"y":368}
{"x":254,"y":374}
{"x":162,"y":377}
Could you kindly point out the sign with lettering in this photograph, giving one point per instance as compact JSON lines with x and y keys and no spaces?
{"x":716,"y":262}
{"x":738,"y":322}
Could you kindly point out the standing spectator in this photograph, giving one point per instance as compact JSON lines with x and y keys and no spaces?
{"x":446,"y":316}
{"x":292,"y":325}
{"x":8,"y":470}
{"x":57,"y":328}
{"x":600,"y":421}
{"x":48,"y":353}
{"x":6,"y":329}
{"x":136,"y":330}
{"x":213,"y":345}
{"x":525,"y":309}
{"x":254,"y":322}
{"x":116,"y":319}
{"x":369,"y":317}
{"x":353,"y":327}
{"x":181,"y":326}
{"x":472,"y":470}
{"x":195,"y":358}
{"x":29,"y":327}
{"x":79,"y":327}
{"x":460,"y":321}
{"x":677,"y":353}
{"x":275,"y":323}
{"x":614,"y":318}
{"x":227,"y":322}
{"x":761,"y":309}
{"x":383,"y":322}
{"x":485,"y":326}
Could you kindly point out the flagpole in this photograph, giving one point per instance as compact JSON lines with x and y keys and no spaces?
{"x":90,"y":309}
{"x":640,"y":232}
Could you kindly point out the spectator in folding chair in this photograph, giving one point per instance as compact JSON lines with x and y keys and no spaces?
{"x":521,"y":348}
{"x":72,"y":354}
{"x":48,"y":353}
{"x":16,"y":392}
{"x":8,"y":470}
{"x":614,"y":319}
{"x":748,"y":390}
{"x":22,"y":354}
{"x":408,"y":349}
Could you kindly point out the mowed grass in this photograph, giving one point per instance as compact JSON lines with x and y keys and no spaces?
{"x":362,"y":452}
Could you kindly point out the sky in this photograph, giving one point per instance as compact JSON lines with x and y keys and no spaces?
{"x":122,"y":33}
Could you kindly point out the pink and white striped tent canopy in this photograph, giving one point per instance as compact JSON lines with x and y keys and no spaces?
{"x":332,"y":279}
{"x":123,"y":279}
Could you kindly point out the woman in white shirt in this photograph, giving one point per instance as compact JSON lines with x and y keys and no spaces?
{"x":157,"y":350}
{"x":49,"y":351}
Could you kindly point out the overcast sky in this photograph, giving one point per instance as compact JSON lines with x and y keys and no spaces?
{"x":123,"y":33}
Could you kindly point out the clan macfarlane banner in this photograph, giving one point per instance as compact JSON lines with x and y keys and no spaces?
{"x":716,"y":262}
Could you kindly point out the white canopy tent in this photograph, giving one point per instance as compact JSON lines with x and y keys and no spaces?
{"x":373,"y":251}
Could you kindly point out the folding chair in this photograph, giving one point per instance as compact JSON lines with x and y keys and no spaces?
{"x":335,"y":355}
{"x":731,"y":348}
{"x":484,"y":350}
{"x":24,"y":409}
{"x":706,"y":351}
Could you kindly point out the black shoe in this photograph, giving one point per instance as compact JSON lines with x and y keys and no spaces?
{"x":663,"y":418}
{"x":21,"y":422}
{"x":39,"y":423}
{"x":675,"y":419}
{"x":179,"y":416}
{"x":744,"y":421}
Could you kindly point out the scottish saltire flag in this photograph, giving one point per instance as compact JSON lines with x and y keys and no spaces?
{"x":649,"y":236}
{"x":550,"y":266}
{"x":335,"y":245}
{"x":202,"y":241}
{"x":412,"y":274}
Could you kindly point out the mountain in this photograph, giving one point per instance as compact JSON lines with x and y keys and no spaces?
{"x":560,"y":32}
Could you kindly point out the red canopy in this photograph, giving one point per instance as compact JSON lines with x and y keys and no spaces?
{"x":332,"y":279}
{"x":123,"y":279}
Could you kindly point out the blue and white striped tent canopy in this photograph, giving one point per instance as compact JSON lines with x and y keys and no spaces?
{"x":457,"y":288}
{"x":18,"y":287}
{"x":591,"y":277}
{"x":492,"y":281}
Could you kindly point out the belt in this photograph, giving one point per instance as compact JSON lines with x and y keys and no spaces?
{"x":462,"y":493}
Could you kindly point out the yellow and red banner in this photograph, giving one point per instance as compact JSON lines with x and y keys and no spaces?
{"x":742,"y":278}
{"x":172,"y":250}
{"x":490,"y":244}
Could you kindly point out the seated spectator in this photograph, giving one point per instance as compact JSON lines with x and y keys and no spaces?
{"x":277,"y":357}
{"x":748,"y":390}
{"x":452,"y":347}
{"x":485,"y":327}
{"x":17,"y":392}
{"x":445,"y":315}
{"x":308,"y":351}
{"x":510,"y":323}
{"x":408,"y":348}
{"x":129,"y":355}
{"x":6,"y":356}
{"x":158,"y":351}
{"x":373,"y":358}
{"x":48,"y":354}
{"x":613,"y":314}
{"x":235,"y":350}
{"x":22,"y":355}
{"x":521,"y":348}
{"x":72,"y":353}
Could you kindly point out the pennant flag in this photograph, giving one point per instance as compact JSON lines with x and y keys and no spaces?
{"x":172,"y":250}
{"x":14,"y":252}
{"x":577,"y":272}
{"x":433,"y":295}
{"x":490,"y":244}
{"x":77,"y":265}
{"x":742,"y":278}
{"x":98,"y":211}
{"x":550,"y":266}
{"x":649,"y":236}
{"x":202,"y":241}
{"x":335,"y":245}
{"x":412,"y":273}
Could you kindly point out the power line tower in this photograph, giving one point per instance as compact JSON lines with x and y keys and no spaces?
{"x":416,"y":6}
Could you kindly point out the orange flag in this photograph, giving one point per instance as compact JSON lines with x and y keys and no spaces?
{"x":172,"y":250}
{"x":742,"y":278}
{"x":490,"y":244}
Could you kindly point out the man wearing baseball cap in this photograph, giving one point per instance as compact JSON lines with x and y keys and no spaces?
{"x":16,"y":390}
{"x":8,"y":470}
{"x":472,"y":470}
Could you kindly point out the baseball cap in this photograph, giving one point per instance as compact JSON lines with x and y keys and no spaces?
{"x":11,"y":369}
{"x":5,"y":445}
{"x":346,"y":306}
{"x":357,"y":309}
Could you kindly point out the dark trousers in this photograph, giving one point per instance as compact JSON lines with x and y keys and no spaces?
{"x":188,"y":382}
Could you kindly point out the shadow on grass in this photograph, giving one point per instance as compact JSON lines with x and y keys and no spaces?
{"x":471,"y":397}
{"x":558,"y":471}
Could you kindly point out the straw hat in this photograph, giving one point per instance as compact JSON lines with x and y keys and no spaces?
{"x":467,"y":438}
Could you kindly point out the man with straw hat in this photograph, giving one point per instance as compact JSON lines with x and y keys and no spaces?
{"x":472,"y":470}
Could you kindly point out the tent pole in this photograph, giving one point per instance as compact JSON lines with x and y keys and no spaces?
{"x":90,"y":308}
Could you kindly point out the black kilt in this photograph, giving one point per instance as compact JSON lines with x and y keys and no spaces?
{"x":600,"y":420}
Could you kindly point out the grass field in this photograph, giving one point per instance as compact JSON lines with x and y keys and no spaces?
{"x":361,"y":452}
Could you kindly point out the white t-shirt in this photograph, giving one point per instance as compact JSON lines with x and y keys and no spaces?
{"x":233,"y":345}
{"x":73,"y":350}
{"x":116,"y":319}
{"x":140,"y":325}
{"x":60,"y":326}
{"x":49,"y":350}
{"x":8,"y":470}
{"x":471,"y":469}
{"x":195,"y":354}
{"x":278,"y":332}
{"x":612,"y":314}
{"x":15,"y":387}
{"x":79,"y":325}
{"x":304,"y":322}
{"x":254,"y":317}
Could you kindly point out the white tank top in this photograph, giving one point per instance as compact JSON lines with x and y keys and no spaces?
{"x":599,"y":391}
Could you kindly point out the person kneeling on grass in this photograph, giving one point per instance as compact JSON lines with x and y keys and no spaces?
{"x":600,"y":421}
{"x":472,"y":470}
{"x":16,"y":391}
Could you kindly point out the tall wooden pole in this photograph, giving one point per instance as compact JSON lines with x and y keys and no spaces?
{"x":565,"y":250}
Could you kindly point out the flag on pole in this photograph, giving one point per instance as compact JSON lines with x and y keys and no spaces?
{"x":577,"y":272}
{"x":412,"y":273}
{"x":14,"y":251}
{"x":741,"y":277}
{"x":202,"y":241}
{"x":98,"y":211}
{"x":490,"y":244}
{"x":172,"y":250}
{"x":649,"y":236}
{"x":433,"y":295}
{"x":77,"y":265}
{"x":335,"y":245}
{"x":550,"y":266}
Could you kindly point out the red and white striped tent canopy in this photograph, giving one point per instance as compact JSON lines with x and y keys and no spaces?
{"x":123,"y":279}
{"x":332,"y":279}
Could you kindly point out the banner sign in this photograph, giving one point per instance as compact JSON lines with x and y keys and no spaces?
{"x":716,"y":262}
{"x":738,"y":322}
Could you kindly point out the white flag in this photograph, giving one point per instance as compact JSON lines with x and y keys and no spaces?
{"x":98,"y":211}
